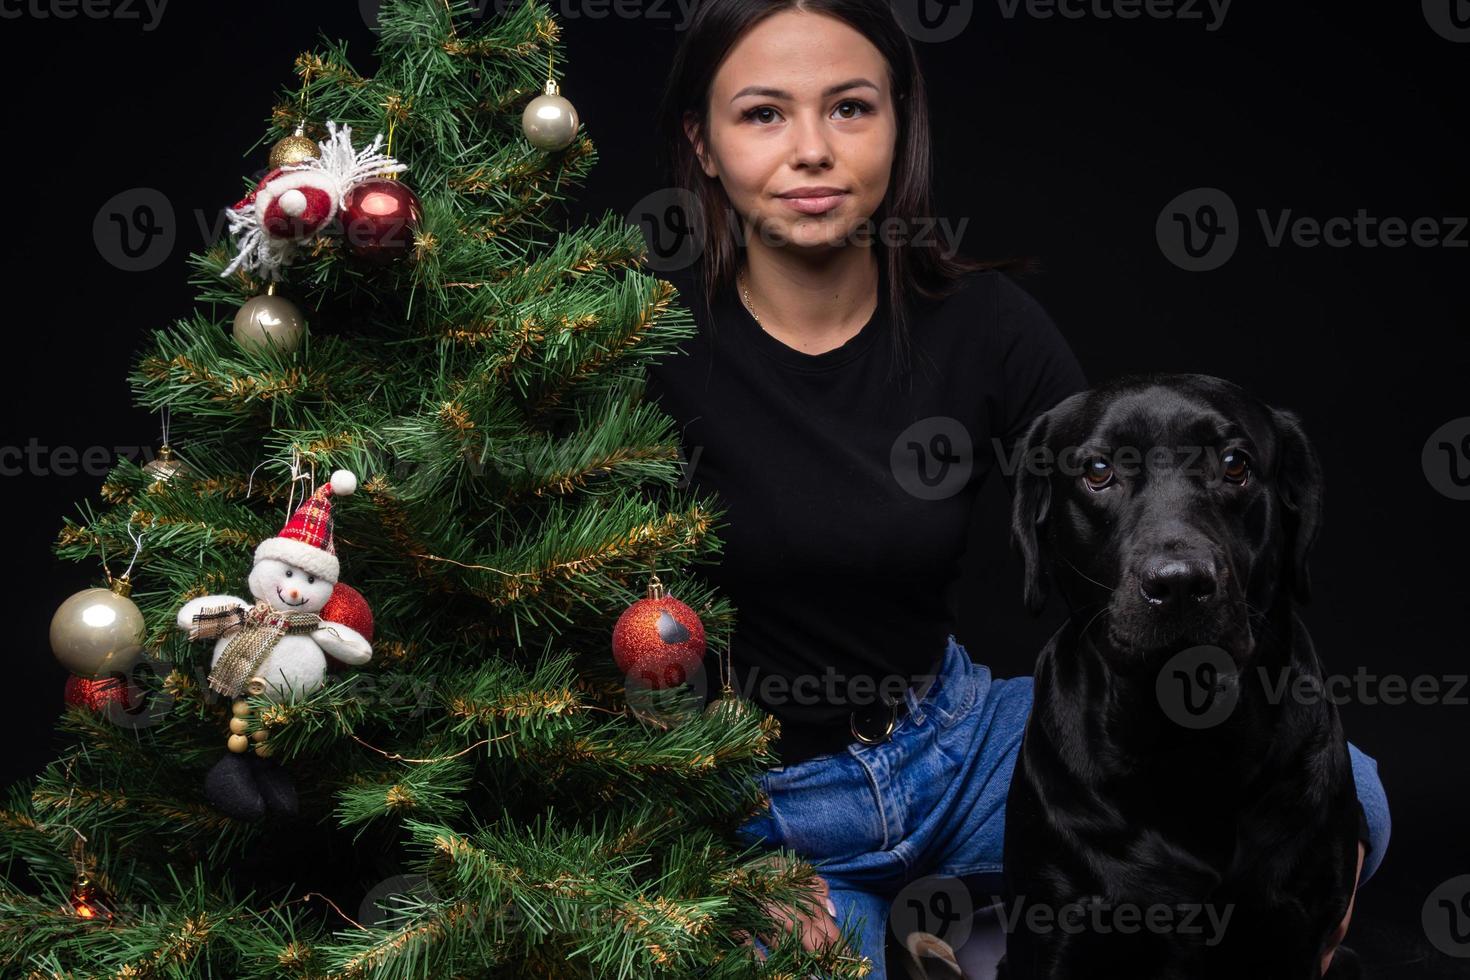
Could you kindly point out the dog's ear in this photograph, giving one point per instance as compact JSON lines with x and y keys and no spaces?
{"x":1299,"y":488}
{"x":1030,"y":501}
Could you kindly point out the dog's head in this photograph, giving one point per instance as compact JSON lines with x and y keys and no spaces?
{"x":1172,"y":507}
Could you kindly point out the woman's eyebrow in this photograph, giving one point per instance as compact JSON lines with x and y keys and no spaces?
{"x":776,"y":93}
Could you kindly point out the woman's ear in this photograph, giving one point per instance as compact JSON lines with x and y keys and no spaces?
{"x":1030,"y":502}
{"x":695,"y":135}
{"x":1298,"y":486}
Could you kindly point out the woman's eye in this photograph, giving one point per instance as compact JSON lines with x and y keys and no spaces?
{"x":1098,"y":473}
{"x":863,"y":106}
{"x":1235,"y":466}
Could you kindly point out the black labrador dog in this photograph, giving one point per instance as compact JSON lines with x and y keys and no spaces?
{"x":1183,"y":805}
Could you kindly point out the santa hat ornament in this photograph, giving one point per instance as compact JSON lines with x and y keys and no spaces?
{"x":306,"y":540}
{"x":293,"y":203}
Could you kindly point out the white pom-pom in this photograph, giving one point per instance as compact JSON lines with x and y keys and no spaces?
{"x":293,"y":202}
{"x":344,"y":483}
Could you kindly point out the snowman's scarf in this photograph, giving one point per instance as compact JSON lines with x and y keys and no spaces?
{"x":259,"y":628}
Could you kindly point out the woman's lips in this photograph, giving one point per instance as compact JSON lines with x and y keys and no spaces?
{"x":814,"y":205}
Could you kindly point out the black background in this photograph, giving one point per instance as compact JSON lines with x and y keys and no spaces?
{"x":1060,"y":138}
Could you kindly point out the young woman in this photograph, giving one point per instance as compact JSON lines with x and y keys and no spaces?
{"x":848,"y":383}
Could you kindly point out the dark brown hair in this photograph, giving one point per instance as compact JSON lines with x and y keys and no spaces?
{"x":714,"y":30}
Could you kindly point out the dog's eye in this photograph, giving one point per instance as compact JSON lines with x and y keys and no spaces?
{"x":1098,"y":473}
{"x":1235,"y":466}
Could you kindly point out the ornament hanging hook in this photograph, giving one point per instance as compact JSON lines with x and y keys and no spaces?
{"x":137,"y":547}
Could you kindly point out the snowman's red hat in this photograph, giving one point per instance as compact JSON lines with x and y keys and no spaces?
{"x":306,"y":540}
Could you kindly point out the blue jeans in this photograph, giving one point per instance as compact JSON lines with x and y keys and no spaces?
{"x":931,"y":799}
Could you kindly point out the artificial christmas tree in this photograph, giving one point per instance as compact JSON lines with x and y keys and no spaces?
{"x":476,"y":798}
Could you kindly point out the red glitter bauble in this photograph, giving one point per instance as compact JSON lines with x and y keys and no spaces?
{"x":658,"y":642}
{"x":348,"y":607}
{"x":96,"y":693}
{"x":378,"y":219}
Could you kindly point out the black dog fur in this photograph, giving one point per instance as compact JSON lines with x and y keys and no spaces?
{"x":1254,"y":817}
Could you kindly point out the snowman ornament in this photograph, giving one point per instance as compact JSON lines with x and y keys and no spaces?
{"x":276,"y":646}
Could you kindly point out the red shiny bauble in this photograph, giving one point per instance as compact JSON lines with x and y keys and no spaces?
{"x":348,"y":607}
{"x":378,"y":219}
{"x":658,"y":642}
{"x":96,"y":693}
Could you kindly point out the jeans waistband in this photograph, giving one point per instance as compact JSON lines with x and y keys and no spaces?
{"x":927,"y":692}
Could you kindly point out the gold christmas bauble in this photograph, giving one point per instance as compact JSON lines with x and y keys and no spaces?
{"x":166,"y":466}
{"x":239,"y":743}
{"x":730,"y":708}
{"x":240,"y":709}
{"x":549,"y":121}
{"x":263,"y":750}
{"x":294,"y":149}
{"x":269,"y":321}
{"x":239,"y":726}
{"x":98,"y":632}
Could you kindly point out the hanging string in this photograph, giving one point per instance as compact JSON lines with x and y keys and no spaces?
{"x":305,"y":88}
{"x":137,"y":549}
{"x":164,"y":416}
{"x":296,"y":475}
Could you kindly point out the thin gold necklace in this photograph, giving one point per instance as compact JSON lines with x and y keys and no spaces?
{"x":745,"y":293}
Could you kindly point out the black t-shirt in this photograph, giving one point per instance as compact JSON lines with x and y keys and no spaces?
{"x":848,"y":494}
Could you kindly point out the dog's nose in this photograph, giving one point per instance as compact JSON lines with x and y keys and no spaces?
{"x":1171,"y":582}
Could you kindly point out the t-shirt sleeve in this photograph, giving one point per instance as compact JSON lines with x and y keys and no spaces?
{"x":1038,"y":367}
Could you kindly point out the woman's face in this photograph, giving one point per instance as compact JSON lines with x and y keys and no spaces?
{"x":801,"y":101}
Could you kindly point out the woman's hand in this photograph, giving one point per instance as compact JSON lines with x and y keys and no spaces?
{"x":1342,"y":928}
{"x":817,"y":931}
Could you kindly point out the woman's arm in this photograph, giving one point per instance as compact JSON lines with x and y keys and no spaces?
{"x":1375,"y":810}
{"x":1374,"y":826}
